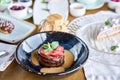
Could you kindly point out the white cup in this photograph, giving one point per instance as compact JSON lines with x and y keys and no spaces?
{"x":77,"y":9}
{"x":18,"y":13}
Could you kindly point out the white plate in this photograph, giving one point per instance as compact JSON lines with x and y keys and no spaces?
{"x":22,"y":29}
{"x":78,"y":27}
{"x":29,"y":14}
{"x":55,"y":6}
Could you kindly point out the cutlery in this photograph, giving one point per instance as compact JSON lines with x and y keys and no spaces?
{"x":3,"y":53}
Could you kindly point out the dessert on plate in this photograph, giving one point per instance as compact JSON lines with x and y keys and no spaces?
{"x":52,"y":57}
{"x":54,"y":22}
{"x":6,"y":26}
{"x":106,"y":36}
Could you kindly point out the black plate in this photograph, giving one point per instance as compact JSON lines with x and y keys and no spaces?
{"x":69,"y":41}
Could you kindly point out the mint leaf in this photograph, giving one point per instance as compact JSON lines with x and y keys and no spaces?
{"x":114,"y":48}
{"x":45,"y":46}
{"x":50,"y":46}
{"x":48,"y":50}
{"x":43,"y":1}
{"x":54,"y":44}
{"x":107,"y":22}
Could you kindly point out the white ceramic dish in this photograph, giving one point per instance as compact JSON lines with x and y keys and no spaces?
{"x":77,"y":9}
{"x":80,"y":25}
{"x":29,"y":14}
{"x":90,"y":6}
{"x":113,"y":4}
{"x":22,"y":29}
{"x":40,"y":10}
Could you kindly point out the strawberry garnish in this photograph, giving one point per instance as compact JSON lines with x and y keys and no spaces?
{"x":52,"y":49}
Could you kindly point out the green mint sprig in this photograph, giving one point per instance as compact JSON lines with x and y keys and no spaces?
{"x":107,"y":22}
{"x":50,"y":46}
{"x":113,"y":48}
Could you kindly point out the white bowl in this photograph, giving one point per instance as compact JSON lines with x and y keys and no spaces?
{"x":113,"y":4}
{"x":18,"y":13}
{"x":77,"y":9}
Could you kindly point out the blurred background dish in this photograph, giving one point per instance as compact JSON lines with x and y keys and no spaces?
{"x":42,"y":9}
{"x":27,"y":47}
{"x":21,"y":30}
{"x":26,"y":2}
{"x":29,"y":14}
{"x":4,"y":4}
{"x":19,"y":11}
{"x":79,"y":26}
{"x":90,"y":4}
{"x":77,"y":9}
{"x":112,"y":4}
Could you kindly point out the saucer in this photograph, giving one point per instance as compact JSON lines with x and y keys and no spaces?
{"x":92,"y":6}
{"x":29,"y":15}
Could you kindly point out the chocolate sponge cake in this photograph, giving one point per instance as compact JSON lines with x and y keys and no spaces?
{"x":49,"y":61}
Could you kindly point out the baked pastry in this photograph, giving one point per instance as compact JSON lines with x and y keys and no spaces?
{"x":54,"y":22}
{"x":6,"y":26}
{"x":51,"y":57}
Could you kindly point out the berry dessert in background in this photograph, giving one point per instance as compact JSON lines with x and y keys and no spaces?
{"x":6,"y":26}
{"x":18,"y":10}
{"x":52,"y":57}
{"x":17,"y":7}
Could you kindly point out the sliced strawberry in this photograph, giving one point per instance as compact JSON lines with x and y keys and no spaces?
{"x":43,"y":53}
{"x":60,"y":48}
{"x":56,"y":53}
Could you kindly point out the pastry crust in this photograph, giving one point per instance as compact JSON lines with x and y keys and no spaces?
{"x":54,"y":22}
{"x":5,"y":32}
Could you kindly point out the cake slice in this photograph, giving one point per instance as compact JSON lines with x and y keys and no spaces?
{"x":108,"y":33}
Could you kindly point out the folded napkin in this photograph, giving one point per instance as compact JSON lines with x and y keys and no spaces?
{"x":7,"y":58}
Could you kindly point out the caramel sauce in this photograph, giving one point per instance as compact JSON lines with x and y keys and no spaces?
{"x":68,"y":61}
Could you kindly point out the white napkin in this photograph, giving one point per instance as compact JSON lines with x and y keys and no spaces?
{"x":7,"y":59}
